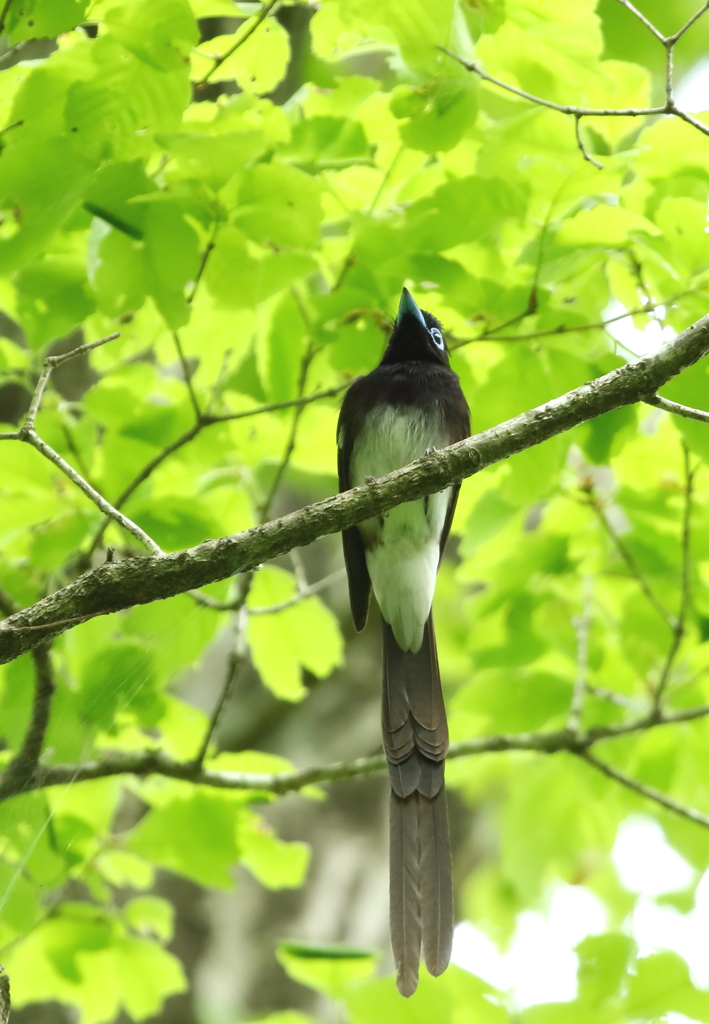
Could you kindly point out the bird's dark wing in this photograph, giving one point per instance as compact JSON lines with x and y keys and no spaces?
{"x":458,"y":415}
{"x":355,"y":561}
{"x":449,"y":519}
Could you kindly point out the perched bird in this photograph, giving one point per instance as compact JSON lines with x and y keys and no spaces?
{"x":410,"y":404}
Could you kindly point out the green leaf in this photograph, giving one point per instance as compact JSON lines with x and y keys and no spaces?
{"x":662,"y":985}
{"x":119,"y":678}
{"x":603,"y":961}
{"x":82,"y":963}
{"x":318,"y":142}
{"x":327,"y":969}
{"x":466,"y":210}
{"x":160,"y":32}
{"x":213,"y":159}
{"x":53,"y":298}
{"x":43,"y":19}
{"x":151,"y":915}
{"x":275,"y":863}
{"x":258,"y":64}
{"x":282,"y":644}
{"x":40,"y":183}
{"x":241,"y":281}
{"x":437,"y":114}
{"x":280,"y":205}
{"x":378,"y":1002}
{"x":194,"y":836}
{"x":115,"y":113}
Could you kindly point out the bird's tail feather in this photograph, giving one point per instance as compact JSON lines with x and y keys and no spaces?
{"x":404,"y":893}
{"x":416,"y":740}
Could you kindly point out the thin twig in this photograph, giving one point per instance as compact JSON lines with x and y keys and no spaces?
{"x":688,"y":24}
{"x":582,"y":146}
{"x":582,"y":624}
{"x":385,"y":179}
{"x":207,"y":420}
{"x":237,"y":656}
{"x":155,"y":763}
{"x":647,"y":791}
{"x":290,"y":403}
{"x":548,"y":332}
{"x":48,"y":365}
{"x":562,"y":108}
{"x":646,"y":22}
{"x":31,"y":437}
{"x":676,"y":409}
{"x":307,"y":591}
{"x":685,"y":600}
{"x":265,"y":506}
{"x":602,"y":693}
{"x":251,"y":27}
{"x":203,"y":260}
{"x":669,"y":107}
{"x":595,"y":504}
{"x":28,"y":434}
{"x":187,"y":377}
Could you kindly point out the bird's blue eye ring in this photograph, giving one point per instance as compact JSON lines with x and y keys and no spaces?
{"x":437,"y":338}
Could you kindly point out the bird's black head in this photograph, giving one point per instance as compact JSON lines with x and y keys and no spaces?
{"x":417,"y":336}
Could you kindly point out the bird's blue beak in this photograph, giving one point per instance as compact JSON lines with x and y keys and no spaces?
{"x":407,"y":305}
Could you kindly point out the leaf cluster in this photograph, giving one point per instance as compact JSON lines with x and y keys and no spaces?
{"x":251,"y":255}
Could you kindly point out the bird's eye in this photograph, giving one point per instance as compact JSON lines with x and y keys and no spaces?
{"x":437,"y":338}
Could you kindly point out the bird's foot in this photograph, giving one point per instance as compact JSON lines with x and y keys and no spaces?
{"x":430,"y":450}
{"x":369,"y":479}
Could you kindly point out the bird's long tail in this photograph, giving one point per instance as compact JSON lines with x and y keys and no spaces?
{"x":415,"y":741}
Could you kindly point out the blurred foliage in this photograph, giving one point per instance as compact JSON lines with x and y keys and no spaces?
{"x":275,"y":240}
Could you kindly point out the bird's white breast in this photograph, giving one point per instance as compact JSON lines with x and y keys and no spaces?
{"x":403,"y":545}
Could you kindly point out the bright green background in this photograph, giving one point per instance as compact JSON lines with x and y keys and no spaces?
{"x":112,"y":186}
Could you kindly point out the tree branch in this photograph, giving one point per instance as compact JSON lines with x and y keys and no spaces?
{"x":251,"y":27}
{"x":676,"y":409}
{"x":118,"y":585}
{"x":669,"y":106}
{"x":627,"y":557}
{"x":155,"y":763}
{"x":28,"y":434}
{"x":680,"y":622}
{"x":582,"y":145}
{"x":549,"y":332}
{"x":237,"y":656}
{"x":22,"y":769}
{"x":206,"y":420}
{"x":647,"y":791}
{"x":648,"y":24}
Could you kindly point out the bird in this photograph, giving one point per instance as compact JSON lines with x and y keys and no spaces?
{"x":410,"y":404}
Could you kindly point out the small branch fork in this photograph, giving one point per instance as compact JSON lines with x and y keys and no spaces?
{"x":669,"y":106}
{"x":28,"y":434}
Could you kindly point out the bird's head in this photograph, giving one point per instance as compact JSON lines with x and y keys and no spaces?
{"x":417,"y":335}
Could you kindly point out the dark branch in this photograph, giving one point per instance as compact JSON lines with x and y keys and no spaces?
{"x":155,"y":763}
{"x":21,"y":771}
{"x":118,"y":585}
{"x":647,"y":791}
